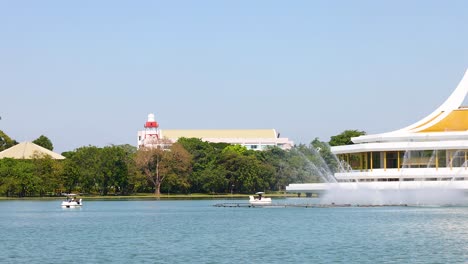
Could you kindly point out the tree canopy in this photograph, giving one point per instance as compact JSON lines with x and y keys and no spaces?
{"x":157,"y":164}
{"x":44,"y":142}
{"x":188,"y":166}
{"x":6,"y":141}
{"x":344,"y":138}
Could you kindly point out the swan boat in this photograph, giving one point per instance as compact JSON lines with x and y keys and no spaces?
{"x":72,"y":201}
{"x":259,"y":199}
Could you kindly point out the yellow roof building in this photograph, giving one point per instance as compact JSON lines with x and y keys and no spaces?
{"x":255,"y":139}
{"x":219,"y":133}
{"x":27,"y":150}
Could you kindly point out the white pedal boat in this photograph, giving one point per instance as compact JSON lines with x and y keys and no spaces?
{"x":259,"y":199}
{"x":72,"y":201}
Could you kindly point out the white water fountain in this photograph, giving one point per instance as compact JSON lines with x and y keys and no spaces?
{"x":370,"y":194}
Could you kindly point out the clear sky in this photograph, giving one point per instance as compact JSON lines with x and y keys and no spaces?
{"x":89,"y":72}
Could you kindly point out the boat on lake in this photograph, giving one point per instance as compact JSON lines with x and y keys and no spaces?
{"x":259,"y":199}
{"x":72,"y":201}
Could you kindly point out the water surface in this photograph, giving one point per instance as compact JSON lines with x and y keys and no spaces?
{"x":196,"y":232}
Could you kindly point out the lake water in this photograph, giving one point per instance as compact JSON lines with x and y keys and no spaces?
{"x":197,"y":232}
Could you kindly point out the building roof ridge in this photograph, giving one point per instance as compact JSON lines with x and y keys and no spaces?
{"x":442,"y":116}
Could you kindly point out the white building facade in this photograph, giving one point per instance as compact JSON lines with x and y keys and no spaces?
{"x":254,"y":139}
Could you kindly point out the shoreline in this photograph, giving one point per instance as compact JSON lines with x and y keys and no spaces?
{"x":150,"y":197}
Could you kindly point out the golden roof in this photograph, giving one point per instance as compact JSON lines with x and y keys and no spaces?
{"x":457,"y":120}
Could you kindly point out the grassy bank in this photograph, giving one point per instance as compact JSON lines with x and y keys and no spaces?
{"x":148,"y":196}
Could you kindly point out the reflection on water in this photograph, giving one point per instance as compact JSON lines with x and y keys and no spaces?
{"x":197,"y":232}
{"x":420,"y":197}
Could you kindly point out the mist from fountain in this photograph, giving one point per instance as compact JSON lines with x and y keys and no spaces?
{"x":462,"y":167}
{"x":406,"y":158}
{"x":455,"y":156}
{"x":431,"y":159}
{"x":318,"y":166}
{"x":362,"y":195}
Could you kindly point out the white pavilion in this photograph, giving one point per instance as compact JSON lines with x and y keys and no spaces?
{"x":431,"y":153}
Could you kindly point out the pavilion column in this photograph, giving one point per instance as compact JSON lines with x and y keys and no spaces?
{"x":385,"y":160}
{"x":361,"y":161}
{"x":347,"y":158}
{"x":450,"y":154}
{"x":398,"y":160}
{"x":366,"y":162}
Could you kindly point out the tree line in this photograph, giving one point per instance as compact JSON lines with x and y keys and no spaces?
{"x":189,"y":166}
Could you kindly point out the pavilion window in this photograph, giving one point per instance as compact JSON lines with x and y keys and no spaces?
{"x":355,"y":161}
{"x":366,"y":161}
{"x":418,"y":159}
{"x":344,"y":161}
{"x":376,"y":160}
{"x":459,"y":159}
{"x":430,"y":157}
{"x":392,"y":159}
{"x":442,"y":159}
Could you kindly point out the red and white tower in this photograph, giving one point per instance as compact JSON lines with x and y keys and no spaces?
{"x":151,"y":128}
{"x":150,"y":136}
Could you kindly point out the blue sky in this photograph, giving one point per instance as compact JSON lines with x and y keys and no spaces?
{"x":89,"y":72}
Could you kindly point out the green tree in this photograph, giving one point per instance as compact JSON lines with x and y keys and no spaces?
{"x":207,"y":176}
{"x":113,"y":169}
{"x":71,"y":174}
{"x":344,"y":138}
{"x":149,"y":160}
{"x":213,"y":179}
{"x":129,"y":149}
{"x":102,"y":170}
{"x":8,"y":181}
{"x":83,"y":169}
{"x":323,"y":150}
{"x":235,"y":148}
{"x":49,"y":172}
{"x":157,"y":164}
{"x":244,"y":171}
{"x":44,"y":142}
{"x":21,"y":180}
{"x":277,"y":158}
{"x":6,"y":141}
{"x":126,"y":183}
